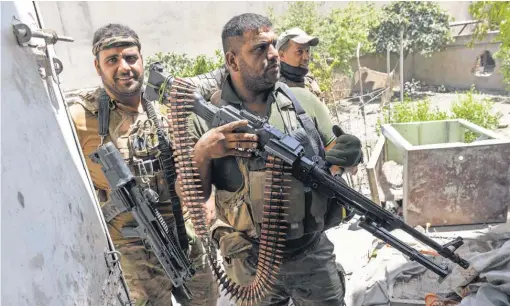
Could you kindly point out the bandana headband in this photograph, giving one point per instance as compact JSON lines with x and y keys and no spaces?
{"x":107,"y":42}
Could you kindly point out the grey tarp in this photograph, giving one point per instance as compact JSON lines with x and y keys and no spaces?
{"x":493,"y":286}
{"x":392,"y":275}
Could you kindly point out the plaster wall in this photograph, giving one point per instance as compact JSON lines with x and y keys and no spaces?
{"x":453,"y":66}
{"x":53,"y":236}
{"x":192,"y":27}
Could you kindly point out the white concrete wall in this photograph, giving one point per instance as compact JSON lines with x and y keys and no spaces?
{"x":181,"y":26}
{"x":53,"y":236}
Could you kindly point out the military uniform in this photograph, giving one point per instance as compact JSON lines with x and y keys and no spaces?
{"x":308,"y":272}
{"x":135,"y":137}
{"x":309,"y":83}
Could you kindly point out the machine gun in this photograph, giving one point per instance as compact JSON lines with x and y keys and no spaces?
{"x":311,"y":171}
{"x":151,"y":227}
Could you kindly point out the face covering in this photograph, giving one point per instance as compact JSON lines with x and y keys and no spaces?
{"x":294,"y":74}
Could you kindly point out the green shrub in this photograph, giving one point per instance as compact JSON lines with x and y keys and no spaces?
{"x":467,"y":106}
{"x":409,"y":111}
{"x":477,"y":111}
{"x":183,"y":65}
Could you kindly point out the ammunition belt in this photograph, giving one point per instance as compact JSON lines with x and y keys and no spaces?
{"x":274,"y":226}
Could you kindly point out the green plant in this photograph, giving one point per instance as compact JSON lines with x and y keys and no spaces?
{"x":466,"y":106}
{"x":302,"y":14}
{"x":425,"y":27}
{"x":183,"y":65}
{"x":341,"y":31}
{"x":477,"y":111}
{"x":409,"y":111}
{"x":494,"y":15}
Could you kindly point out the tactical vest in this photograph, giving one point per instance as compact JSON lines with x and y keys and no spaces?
{"x":138,"y":146}
{"x":307,"y":208}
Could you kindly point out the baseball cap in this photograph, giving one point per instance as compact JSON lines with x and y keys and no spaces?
{"x":297,"y":35}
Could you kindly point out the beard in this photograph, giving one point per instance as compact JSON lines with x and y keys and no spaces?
{"x":123,"y":90}
{"x":258,"y":83}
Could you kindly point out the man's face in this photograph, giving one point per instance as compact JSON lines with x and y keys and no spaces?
{"x":121,"y":70}
{"x":259,"y":65}
{"x":297,"y":55}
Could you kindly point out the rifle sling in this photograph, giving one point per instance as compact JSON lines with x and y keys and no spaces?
{"x":306,"y":121}
{"x":103,"y":115}
{"x":110,"y":209}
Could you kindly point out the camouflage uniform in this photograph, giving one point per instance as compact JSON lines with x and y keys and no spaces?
{"x":146,"y":279}
{"x":308,"y":273}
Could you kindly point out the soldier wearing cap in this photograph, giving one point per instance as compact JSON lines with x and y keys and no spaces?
{"x":119,"y":63}
{"x":294,"y":50}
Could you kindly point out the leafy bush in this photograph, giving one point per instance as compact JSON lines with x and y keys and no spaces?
{"x":467,"y":106}
{"x":476,"y":111}
{"x":302,"y":14}
{"x":183,"y":65}
{"x":409,"y":111}
{"x":425,"y":25}
{"x":341,"y":31}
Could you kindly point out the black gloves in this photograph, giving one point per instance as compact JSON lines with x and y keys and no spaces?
{"x":347,"y":151}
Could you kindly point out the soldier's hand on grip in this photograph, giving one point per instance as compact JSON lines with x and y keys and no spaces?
{"x":346,"y":152}
{"x":223,"y":141}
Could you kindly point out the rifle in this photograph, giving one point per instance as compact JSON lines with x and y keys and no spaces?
{"x":151,"y":227}
{"x":311,"y":171}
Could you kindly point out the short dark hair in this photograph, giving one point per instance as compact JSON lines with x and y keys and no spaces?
{"x":115,"y":29}
{"x":239,"y":25}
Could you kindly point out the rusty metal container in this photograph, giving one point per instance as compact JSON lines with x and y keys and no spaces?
{"x":443,"y":179}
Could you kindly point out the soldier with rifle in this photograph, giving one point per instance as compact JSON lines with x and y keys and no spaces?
{"x":117,"y":113}
{"x":308,"y":274}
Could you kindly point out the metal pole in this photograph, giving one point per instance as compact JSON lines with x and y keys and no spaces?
{"x":390,"y":83}
{"x":402,"y":65}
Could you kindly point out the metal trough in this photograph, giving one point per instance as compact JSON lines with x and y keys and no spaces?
{"x":444,"y":180}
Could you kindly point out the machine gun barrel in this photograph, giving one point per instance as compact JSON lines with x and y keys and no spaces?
{"x":274,"y":143}
{"x":375,"y":219}
{"x":151,"y":226}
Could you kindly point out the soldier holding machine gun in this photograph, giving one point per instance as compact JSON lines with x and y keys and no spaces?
{"x":308,"y":272}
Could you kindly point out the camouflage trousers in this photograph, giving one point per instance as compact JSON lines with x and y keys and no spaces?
{"x":149,"y":285}
{"x":311,"y":278}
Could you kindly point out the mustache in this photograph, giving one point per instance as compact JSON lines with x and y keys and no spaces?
{"x":272,"y":64}
{"x":133,"y":75}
